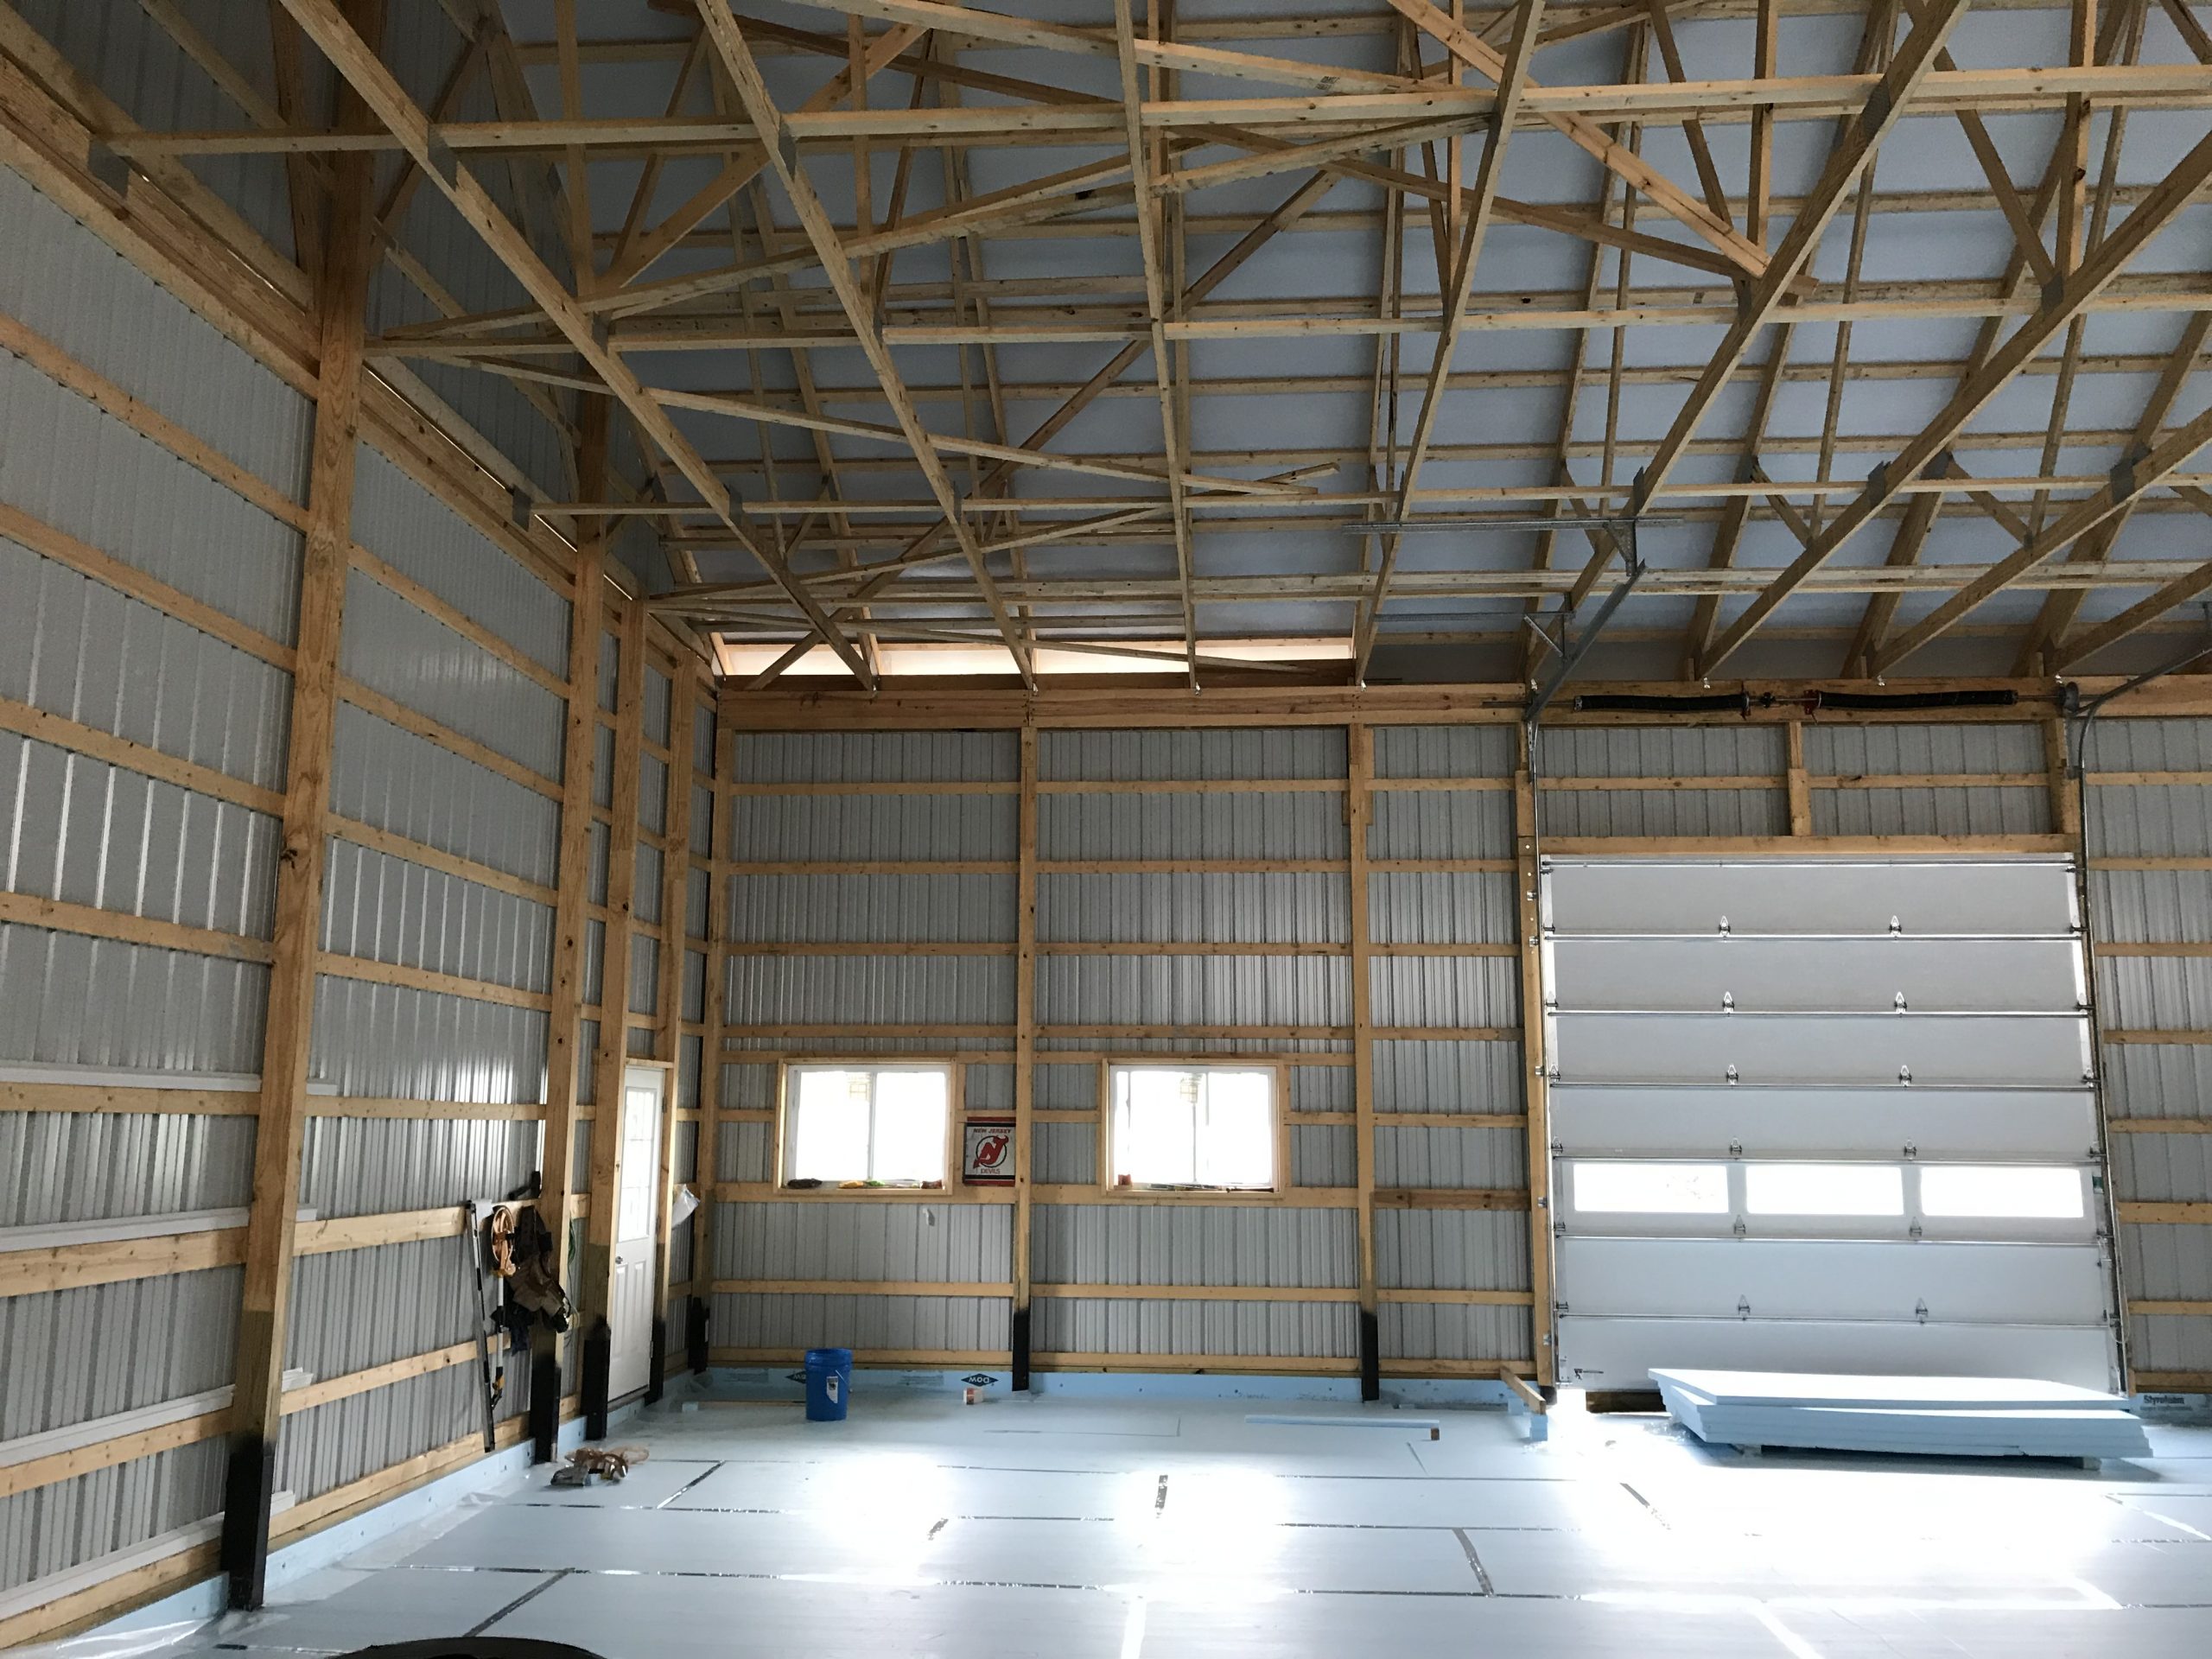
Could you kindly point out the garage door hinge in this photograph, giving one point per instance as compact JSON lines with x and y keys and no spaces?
{"x":1743,"y":1307}
{"x":1741,"y":1230}
{"x":1920,"y":1311}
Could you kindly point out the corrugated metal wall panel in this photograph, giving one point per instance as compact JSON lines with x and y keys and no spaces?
{"x":1452,"y":1250}
{"x":67,"y":1000}
{"x":352,"y":1439}
{"x":877,"y":757}
{"x":88,"y":475}
{"x":1442,"y":824}
{"x":1324,"y":1155}
{"x":371,"y":1166}
{"x":1445,"y":990}
{"x":76,"y":1355}
{"x":392,"y":1042}
{"x":1442,"y":907}
{"x":1304,"y":991}
{"x":788,"y":909}
{"x":928,"y":1324}
{"x":87,"y":832}
{"x":415,"y":659}
{"x":1418,"y":1331}
{"x":870,"y":990}
{"x":1435,"y":1156}
{"x":1165,"y":1329}
{"x":417,"y":534}
{"x":935,"y":1242}
{"x":1229,"y":823}
{"x":779,"y":827}
{"x":1443,"y":751}
{"x":2020,"y":810}
{"x":1664,"y":812}
{"x":79,"y":648}
{"x":61,"y":280}
{"x":1259,"y":752}
{"x":51,"y":1527}
{"x":119,"y":46}
{"x":61,"y":1166}
{"x":1429,"y":1075}
{"x":389,"y":909}
{"x":1196,"y":1244}
{"x":395,"y":780}
{"x":1270,"y":907}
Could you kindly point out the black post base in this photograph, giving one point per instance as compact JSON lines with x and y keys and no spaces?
{"x":544,"y":1404}
{"x":654,"y":1388}
{"x":694,"y":1335}
{"x":598,"y":1355}
{"x":1019,"y":1355}
{"x":249,"y":1497}
{"x":1370,"y":1356}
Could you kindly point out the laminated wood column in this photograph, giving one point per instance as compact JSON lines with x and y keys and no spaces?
{"x":1359,"y":808}
{"x":571,"y":915}
{"x":1025,"y":1050}
{"x":257,"y":1413}
{"x":675,"y":892}
{"x":1528,"y":894}
{"x":594,"y":1296}
{"x":707,"y":1164}
{"x":1795,"y":781}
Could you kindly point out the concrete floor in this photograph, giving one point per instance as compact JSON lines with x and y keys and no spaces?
{"x":1142,"y":1529}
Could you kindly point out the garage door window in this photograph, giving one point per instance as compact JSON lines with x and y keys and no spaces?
{"x":1823,"y":1190}
{"x":1652,"y":1189}
{"x":1969,"y":1192}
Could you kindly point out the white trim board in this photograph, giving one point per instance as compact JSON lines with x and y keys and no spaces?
{"x":71,"y":1437}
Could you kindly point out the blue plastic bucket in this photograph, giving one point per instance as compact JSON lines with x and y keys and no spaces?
{"x":828,"y":1384}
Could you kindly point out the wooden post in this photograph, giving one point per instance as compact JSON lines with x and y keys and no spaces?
{"x":674,"y":889}
{"x":1359,"y":808}
{"x":1535,"y":1075}
{"x":1025,"y":1050}
{"x":1801,"y":792}
{"x":571,"y":915}
{"x":296,"y":936}
{"x":594,"y":1296}
{"x":708,"y":1163}
{"x":2065,"y":789}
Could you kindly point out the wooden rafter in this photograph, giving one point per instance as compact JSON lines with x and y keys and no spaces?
{"x":737,"y":63}
{"x":388,"y":101}
{"x":1512,"y":81}
{"x":2062,"y":304}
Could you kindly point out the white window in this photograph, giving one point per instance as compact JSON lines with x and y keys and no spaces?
{"x":1193,"y":1127}
{"x":1823,"y":1190}
{"x":881,"y":1124}
{"x":1652,"y":1189}
{"x":1993,"y":1191}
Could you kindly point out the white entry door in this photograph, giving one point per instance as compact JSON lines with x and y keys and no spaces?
{"x":1824,"y":1115}
{"x":636,"y":1216}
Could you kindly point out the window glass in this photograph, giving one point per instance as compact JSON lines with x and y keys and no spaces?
{"x":2001,"y":1189}
{"x":1199,"y":1127}
{"x":866,"y":1123}
{"x":1652,"y":1189}
{"x":1824,"y":1190}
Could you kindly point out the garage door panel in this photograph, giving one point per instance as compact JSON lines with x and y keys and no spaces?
{"x":1823,"y":1115}
{"x":1830,"y":1278}
{"x":1609,"y":1353}
{"x":2013,"y":897}
{"x":1863,"y":974}
{"x":1865,"y":1049}
{"x":1937,"y":1123}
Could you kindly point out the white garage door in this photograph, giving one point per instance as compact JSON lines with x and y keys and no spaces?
{"x":1824,"y":1115}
